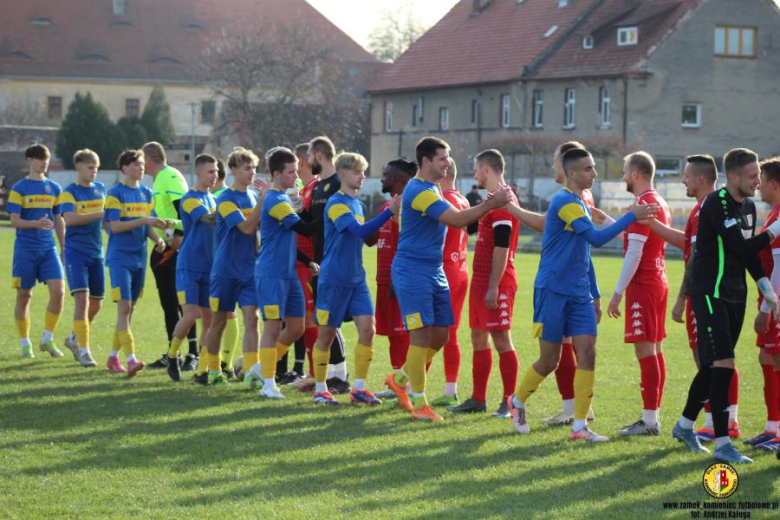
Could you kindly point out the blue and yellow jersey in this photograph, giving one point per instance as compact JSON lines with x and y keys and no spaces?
{"x":84,"y":200}
{"x":421,"y":238}
{"x":199,"y":242}
{"x":277,"y":241}
{"x":342,"y":263}
{"x":124,"y":203}
{"x":31,"y":200}
{"x":565,"y":264}
{"x":236,"y":251}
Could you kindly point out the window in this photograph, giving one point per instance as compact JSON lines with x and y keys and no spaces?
{"x":537,"y":112}
{"x":551,"y":31}
{"x":665,"y":166}
{"x":627,"y":36}
{"x":605,"y":103}
{"x":444,"y":118}
{"x":420,"y":109}
{"x":587,"y":42}
{"x":691,"y":115}
{"x":388,"y":116}
{"x":504,"y":116}
{"x":474,"y":111}
{"x":132,"y":107}
{"x":739,"y":42}
{"x":570,"y":101}
{"x":54,"y":105}
{"x":208,"y":110}
{"x":562,"y":3}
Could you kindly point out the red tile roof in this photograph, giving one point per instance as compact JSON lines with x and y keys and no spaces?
{"x":153,"y":40}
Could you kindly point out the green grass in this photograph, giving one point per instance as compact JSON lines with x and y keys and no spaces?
{"x":78,"y":443}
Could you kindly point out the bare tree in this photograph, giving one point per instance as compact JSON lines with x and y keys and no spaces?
{"x":24,"y":111}
{"x":399,"y":28}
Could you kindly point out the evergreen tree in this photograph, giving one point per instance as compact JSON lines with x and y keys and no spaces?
{"x":135,"y":132}
{"x":88,"y":125}
{"x":156,"y":118}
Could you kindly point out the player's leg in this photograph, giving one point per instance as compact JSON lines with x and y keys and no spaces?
{"x":773,"y":444}
{"x":649,"y":386}
{"x":50,"y":271}
{"x":459,"y":284}
{"x":22,"y":318}
{"x":564,"y":378}
{"x":229,"y":342}
{"x":585,"y":377}
{"x":127,"y":307}
{"x":508,"y":365}
{"x":481,"y":365}
{"x":771,"y":396}
{"x":364,"y":353}
{"x":82,"y":304}
{"x":189,"y":317}
{"x":219,"y":319}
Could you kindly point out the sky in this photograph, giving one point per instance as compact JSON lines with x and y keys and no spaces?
{"x":358,"y":18}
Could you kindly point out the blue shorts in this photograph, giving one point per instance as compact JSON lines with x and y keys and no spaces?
{"x":225,"y":293}
{"x":557,"y":316}
{"x":85,"y":273}
{"x":279,"y":298}
{"x":29,"y":266}
{"x":192,"y":287}
{"x":127,"y":283}
{"x":423,"y":297}
{"x":335,"y":303}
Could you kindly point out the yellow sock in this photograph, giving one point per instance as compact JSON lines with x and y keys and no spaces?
{"x":173,"y":350}
{"x":281,"y":350}
{"x":268,"y":362}
{"x":51,"y":321}
{"x":23,"y":327}
{"x":215,"y":362}
{"x":583,"y":392}
{"x":81,"y":328}
{"x":250,"y":360}
{"x":203,"y":360}
{"x":230,"y":342}
{"x":429,"y":355}
{"x":320,"y":359}
{"x":363,"y":356}
{"x":126,"y":341}
{"x":529,"y":384}
{"x":416,"y":360}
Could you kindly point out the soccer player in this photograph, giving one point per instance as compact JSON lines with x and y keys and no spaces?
{"x":169,"y":187}
{"x":81,"y":203}
{"x":456,"y":269}
{"x":278,"y":290}
{"x":418,"y":273}
{"x":35,"y":211}
{"x":725,"y":247}
{"x":395,"y":176}
{"x":342,"y":291}
{"x":232,"y":273}
{"x":566,"y":295}
{"x":492,"y":293}
{"x":195,"y":260}
{"x":643,"y":280}
{"x":128,"y":213}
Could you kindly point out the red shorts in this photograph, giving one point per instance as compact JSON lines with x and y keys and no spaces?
{"x":690,"y":325}
{"x":482,"y":318}
{"x":645,"y":313}
{"x":388,"y":315}
{"x":304,"y":275}
{"x":770,"y":341}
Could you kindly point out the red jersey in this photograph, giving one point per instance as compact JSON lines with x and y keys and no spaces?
{"x":306,"y":244}
{"x":652,"y":268}
{"x":456,"y":242}
{"x":691,"y":228}
{"x":385,"y":248}
{"x":483,"y":251}
{"x":766,"y":254}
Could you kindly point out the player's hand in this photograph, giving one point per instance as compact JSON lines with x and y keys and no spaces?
{"x":491,"y":298}
{"x":156,"y":222}
{"x":502,"y":196}
{"x":645,"y":211}
{"x":295,"y":198}
{"x":770,"y":298}
{"x":395,"y":204}
{"x":678,"y":310}
{"x":597,"y":216}
{"x":44,"y":223}
{"x":314,"y":268}
{"x":613,"y":309}
{"x":160,"y":247}
{"x":261,"y":186}
{"x":597,"y":308}
{"x":761,"y":323}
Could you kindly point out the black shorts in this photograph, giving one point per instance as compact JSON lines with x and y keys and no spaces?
{"x":719,"y":322}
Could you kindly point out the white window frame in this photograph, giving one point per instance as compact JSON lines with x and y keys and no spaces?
{"x":537,"y":113}
{"x":697,"y":124}
{"x":587,"y":41}
{"x":605,"y":106}
{"x":570,"y":108}
{"x":444,"y":118}
{"x":627,"y":36}
{"x":506,"y":108}
{"x":388,"y":116}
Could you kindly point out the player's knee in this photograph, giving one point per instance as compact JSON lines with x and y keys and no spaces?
{"x":503,"y":341}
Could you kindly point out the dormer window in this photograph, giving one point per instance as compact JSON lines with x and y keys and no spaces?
{"x":587,"y":42}
{"x":627,"y":36}
{"x":562,"y":3}
{"x":551,"y":31}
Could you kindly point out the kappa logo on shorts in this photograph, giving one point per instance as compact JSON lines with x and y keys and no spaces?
{"x":636,"y":315}
{"x":414,"y":321}
{"x":503,"y":306}
{"x":504,"y":314}
{"x":636,"y":306}
{"x":503,"y":297}
{"x":504,"y":322}
{"x":637,"y":323}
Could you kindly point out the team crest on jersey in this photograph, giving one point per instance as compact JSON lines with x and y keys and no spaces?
{"x":143,"y":196}
{"x":47,"y":188}
{"x":96,"y":192}
{"x":326,"y":187}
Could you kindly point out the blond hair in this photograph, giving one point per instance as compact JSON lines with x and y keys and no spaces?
{"x":351,"y":161}
{"x":86,"y":156}
{"x":241,"y":156}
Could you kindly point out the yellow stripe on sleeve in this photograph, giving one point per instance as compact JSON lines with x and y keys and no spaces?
{"x":14,"y":197}
{"x":66,"y":197}
{"x":226,"y":208}
{"x":113,"y":203}
{"x":190,"y":204}
{"x":281,"y":210}
{"x":337,"y":210}
{"x":571,"y":212}
{"x":424,"y":199}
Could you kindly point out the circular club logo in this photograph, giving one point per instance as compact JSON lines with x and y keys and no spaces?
{"x":720,"y":480}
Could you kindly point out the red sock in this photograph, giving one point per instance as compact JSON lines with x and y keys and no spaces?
{"x":452,"y":357}
{"x":662,"y":371}
{"x":399,"y":346}
{"x":650,"y":379}
{"x":771,"y":392}
{"x":309,"y":339}
{"x":734,"y":388}
{"x":480,"y":372}
{"x":564,"y":374}
{"x":509,"y":365}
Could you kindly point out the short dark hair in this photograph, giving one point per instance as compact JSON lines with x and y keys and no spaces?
{"x":643,"y":162}
{"x":737,"y":158}
{"x":302,"y":150}
{"x":280,"y":158}
{"x":704,"y":165}
{"x":492,"y":158}
{"x":568,"y":145}
{"x":221,"y":171}
{"x":324,"y":145}
{"x":401,"y":166}
{"x":428,"y":147}
{"x":37,"y":151}
{"x":572,"y":156}
{"x":205,"y":158}
{"x":128,"y":157}
{"x":771,"y":168}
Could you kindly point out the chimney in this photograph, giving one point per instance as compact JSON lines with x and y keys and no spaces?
{"x":119,"y":7}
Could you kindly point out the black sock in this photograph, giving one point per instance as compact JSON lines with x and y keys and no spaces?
{"x":698,"y":393}
{"x":719,"y":399}
{"x":192,"y":339}
{"x":281,"y":366}
{"x":300,"y":355}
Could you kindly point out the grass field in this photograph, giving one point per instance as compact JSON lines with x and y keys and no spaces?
{"x":78,"y":443}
